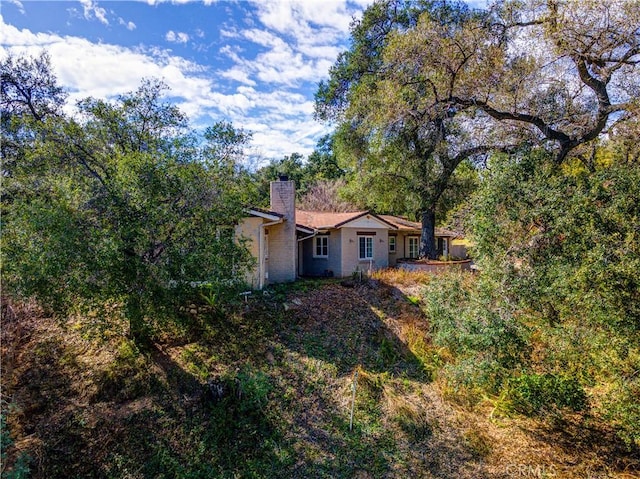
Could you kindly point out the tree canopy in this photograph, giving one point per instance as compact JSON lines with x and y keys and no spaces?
{"x":402,"y":142}
{"x":564,"y":74}
{"x":427,"y":85}
{"x":116,"y":203}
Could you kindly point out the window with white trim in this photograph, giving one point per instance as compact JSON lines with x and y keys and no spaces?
{"x":365,"y":247}
{"x":392,"y":244}
{"x":321,"y":247}
{"x":414,"y":246}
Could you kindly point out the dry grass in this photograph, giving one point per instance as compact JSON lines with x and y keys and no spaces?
{"x":402,"y":277}
{"x":148,"y":417}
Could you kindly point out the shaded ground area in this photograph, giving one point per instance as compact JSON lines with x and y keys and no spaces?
{"x":400,"y":424}
{"x":265,"y":390}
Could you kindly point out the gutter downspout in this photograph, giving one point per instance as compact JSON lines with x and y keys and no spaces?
{"x":315,"y":233}
{"x":261,"y":259}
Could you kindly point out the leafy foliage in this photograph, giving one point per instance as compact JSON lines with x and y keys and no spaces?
{"x":290,"y":166}
{"x":533,"y":392}
{"x":318,"y":176}
{"x":400,"y":142}
{"x":427,"y":85}
{"x":20,"y":468}
{"x":118,"y":203}
{"x":482,"y":334}
{"x":552,"y":322}
{"x":567,"y":243}
{"x":322,"y":163}
{"x":560,"y":245}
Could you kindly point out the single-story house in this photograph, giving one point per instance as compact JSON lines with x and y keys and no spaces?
{"x":289,"y":243}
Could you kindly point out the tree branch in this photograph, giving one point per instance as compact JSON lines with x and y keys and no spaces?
{"x":536,"y":121}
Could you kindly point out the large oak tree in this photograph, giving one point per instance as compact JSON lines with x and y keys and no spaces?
{"x":402,"y":141}
{"x":566,"y":73}
{"x":427,"y":85}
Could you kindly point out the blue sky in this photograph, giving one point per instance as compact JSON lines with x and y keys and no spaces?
{"x":254,"y":63}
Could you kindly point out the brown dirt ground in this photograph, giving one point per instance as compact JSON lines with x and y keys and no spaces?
{"x":326,"y":334}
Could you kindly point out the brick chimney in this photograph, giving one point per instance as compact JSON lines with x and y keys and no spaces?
{"x":283,"y":249}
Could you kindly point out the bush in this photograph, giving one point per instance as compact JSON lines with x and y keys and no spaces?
{"x":622,"y":408}
{"x":559,"y":252}
{"x":533,"y":393}
{"x":118,"y":202}
{"x":19,"y":467}
{"x":481,"y":333}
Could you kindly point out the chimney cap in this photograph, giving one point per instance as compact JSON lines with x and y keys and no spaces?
{"x":282,"y":177}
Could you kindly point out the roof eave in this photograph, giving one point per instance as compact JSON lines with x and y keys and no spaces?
{"x":305,"y":229}
{"x":268,"y":215}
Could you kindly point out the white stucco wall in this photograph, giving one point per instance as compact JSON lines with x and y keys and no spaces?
{"x":249,"y":230}
{"x":350,"y":249}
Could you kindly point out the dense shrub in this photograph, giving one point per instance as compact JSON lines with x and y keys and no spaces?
{"x":531,"y":393}
{"x":17,"y":466}
{"x":122,"y":202}
{"x":482,"y":334}
{"x":560,"y":245}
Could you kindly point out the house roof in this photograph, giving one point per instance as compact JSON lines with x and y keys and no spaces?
{"x":274,"y":216}
{"x":304,"y":229}
{"x":309,"y":221}
{"x":402,"y":224}
{"x":406,"y":225}
{"x":323,"y":220}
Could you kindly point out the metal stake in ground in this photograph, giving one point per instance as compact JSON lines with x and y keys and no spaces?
{"x":353,"y":397}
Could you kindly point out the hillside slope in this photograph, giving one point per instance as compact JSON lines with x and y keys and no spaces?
{"x":265,"y":390}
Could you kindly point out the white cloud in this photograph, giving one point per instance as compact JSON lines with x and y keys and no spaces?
{"x":300,"y":15}
{"x":296,"y":42}
{"x":264,"y":38}
{"x":91,"y":10}
{"x":281,"y":119}
{"x":102,"y":70}
{"x":180,"y":2}
{"x":282,"y":63}
{"x":238,"y":74}
{"x":299,"y":41}
{"x":326,"y":52}
{"x":234,"y":52}
{"x":18,"y":4}
{"x":288,"y":137}
{"x":11,"y":36}
{"x":129,"y":25}
{"x":176,"y":37}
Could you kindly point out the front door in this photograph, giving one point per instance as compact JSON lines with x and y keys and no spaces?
{"x":414,"y":246}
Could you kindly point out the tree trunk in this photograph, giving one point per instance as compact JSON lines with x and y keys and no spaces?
{"x":137,"y":330}
{"x":428,"y":238}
